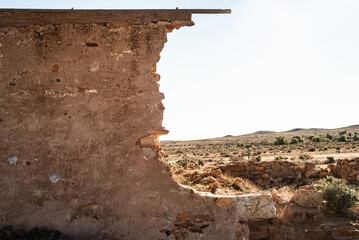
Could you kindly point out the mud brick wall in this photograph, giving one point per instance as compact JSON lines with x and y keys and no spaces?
{"x":80,"y":113}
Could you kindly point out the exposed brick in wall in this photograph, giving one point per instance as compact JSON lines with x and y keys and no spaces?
{"x":274,"y":230}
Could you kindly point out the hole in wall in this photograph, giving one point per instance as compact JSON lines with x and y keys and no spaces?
{"x":236,"y":165}
{"x":91,"y":44}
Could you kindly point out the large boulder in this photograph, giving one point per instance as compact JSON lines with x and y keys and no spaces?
{"x":307,"y":196}
{"x":256,"y":206}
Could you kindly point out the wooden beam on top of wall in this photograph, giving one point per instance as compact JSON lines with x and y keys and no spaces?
{"x":26,"y":17}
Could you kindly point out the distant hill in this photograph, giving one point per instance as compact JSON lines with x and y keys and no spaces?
{"x":296,"y":129}
{"x":263,"y":132}
{"x":261,"y":136}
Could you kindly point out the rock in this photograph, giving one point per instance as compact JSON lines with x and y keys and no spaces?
{"x":265,"y":175}
{"x":239,"y":183}
{"x":183,"y":220}
{"x":276,"y":197}
{"x":331,"y":166}
{"x":310,"y":173}
{"x":328,"y":226}
{"x":307,"y":197}
{"x":197,"y":180}
{"x":180,"y":234}
{"x":307,"y":187}
{"x":216,"y":172}
{"x":256,"y":206}
{"x":224,"y":201}
{"x":259,"y":168}
{"x":309,"y":166}
{"x":300,"y":214}
{"x":195,"y":229}
{"x":202,"y":218}
{"x":209,"y":180}
{"x":12,"y":159}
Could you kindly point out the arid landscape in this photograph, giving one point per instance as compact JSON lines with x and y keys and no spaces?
{"x":302,"y":169}
{"x":82,"y":113}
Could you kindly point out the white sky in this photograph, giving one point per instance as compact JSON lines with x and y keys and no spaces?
{"x":270,"y":65}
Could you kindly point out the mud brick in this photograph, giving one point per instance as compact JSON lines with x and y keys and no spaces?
{"x":258,"y":235}
{"x":343,"y":238}
{"x":297,"y":236}
{"x":355,"y":234}
{"x":341,"y":233}
{"x":287,"y":230}
{"x":318,"y":235}
{"x":254,"y":229}
{"x":273,"y":230}
{"x":263,"y":229}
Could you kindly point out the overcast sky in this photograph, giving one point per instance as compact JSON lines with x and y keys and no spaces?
{"x":270,"y":65}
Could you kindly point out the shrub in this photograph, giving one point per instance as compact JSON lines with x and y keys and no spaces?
{"x":330,"y":160}
{"x":343,"y":138}
{"x":240,"y":144}
{"x":316,"y":139}
{"x":305,"y":157}
{"x":297,"y":139}
{"x":235,"y":158}
{"x":280,"y":140}
{"x":258,"y":158}
{"x":337,"y":195}
{"x":356,"y":137}
{"x":329,"y":136}
{"x":320,"y":139}
{"x":311,"y":149}
{"x":294,"y":141}
{"x":280,"y":158}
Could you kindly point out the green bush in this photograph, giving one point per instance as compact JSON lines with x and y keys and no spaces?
{"x":296,"y":139}
{"x":343,"y":138}
{"x":320,"y":139}
{"x":280,"y":140}
{"x":329,"y":136}
{"x":258,"y":158}
{"x":356,"y":137}
{"x":338,"y":196}
{"x":240,"y":144}
{"x":316,"y":139}
{"x":299,"y":138}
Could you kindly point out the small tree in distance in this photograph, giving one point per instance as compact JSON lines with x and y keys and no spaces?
{"x":280,"y":140}
{"x":296,"y":139}
{"x":343,"y":138}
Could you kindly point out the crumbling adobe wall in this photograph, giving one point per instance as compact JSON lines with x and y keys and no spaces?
{"x":80,"y":110}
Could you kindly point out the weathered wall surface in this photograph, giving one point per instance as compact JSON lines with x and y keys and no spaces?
{"x":75,"y":102}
